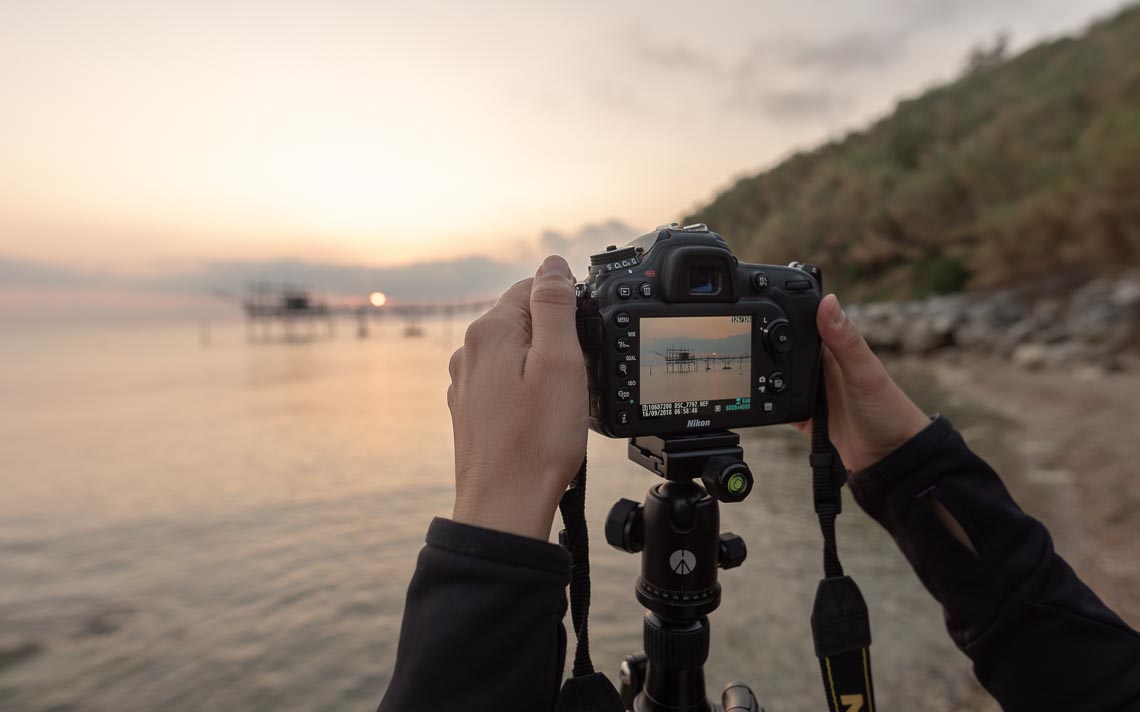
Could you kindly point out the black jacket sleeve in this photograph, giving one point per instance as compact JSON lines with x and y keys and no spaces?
{"x":482,"y":625}
{"x":1038,"y":637}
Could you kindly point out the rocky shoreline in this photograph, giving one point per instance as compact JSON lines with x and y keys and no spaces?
{"x":1095,"y":325}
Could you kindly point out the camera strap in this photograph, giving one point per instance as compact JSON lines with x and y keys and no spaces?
{"x":840,"y":624}
{"x":586,"y":690}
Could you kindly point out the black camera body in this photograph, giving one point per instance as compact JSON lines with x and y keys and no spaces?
{"x":682,"y":337}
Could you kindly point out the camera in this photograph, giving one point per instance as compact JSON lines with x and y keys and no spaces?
{"x":680,"y":336}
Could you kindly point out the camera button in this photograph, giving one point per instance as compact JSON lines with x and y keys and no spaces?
{"x":646,"y":289}
{"x":777,"y":382}
{"x":623,"y":345}
{"x":622,"y":369}
{"x":623,"y":393}
{"x":622,"y":319}
{"x":759,"y":281}
{"x":624,"y":291}
{"x":622,"y":417}
{"x":780,"y":336}
{"x":797,"y":285}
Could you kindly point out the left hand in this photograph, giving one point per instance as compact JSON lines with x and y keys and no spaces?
{"x":518,"y":401}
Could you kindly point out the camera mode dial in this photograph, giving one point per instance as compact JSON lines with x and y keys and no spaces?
{"x":616,"y":258}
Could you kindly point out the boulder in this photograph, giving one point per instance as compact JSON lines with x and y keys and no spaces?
{"x":1030,"y":356}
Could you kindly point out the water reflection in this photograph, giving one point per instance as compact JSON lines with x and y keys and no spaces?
{"x":234,"y":528}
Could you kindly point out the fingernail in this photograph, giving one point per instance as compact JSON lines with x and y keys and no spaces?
{"x":555,"y":265}
{"x":837,"y":316}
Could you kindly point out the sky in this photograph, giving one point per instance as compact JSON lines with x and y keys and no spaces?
{"x":154,"y":145}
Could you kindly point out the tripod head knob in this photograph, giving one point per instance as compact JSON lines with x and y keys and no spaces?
{"x":624,"y":529}
{"x":727,"y":478}
{"x":732,"y":552}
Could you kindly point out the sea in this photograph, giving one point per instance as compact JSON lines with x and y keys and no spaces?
{"x":190,"y":520}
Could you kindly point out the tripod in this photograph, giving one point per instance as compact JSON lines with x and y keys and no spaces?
{"x":677,"y":532}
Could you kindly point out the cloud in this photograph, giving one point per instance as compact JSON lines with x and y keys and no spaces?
{"x":845,"y":53}
{"x":784,"y":78}
{"x":22,"y":273}
{"x":577,"y":246}
{"x":457,"y":279}
{"x":788,"y":104}
{"x":437,"y":280}
{"x":669,"y":55}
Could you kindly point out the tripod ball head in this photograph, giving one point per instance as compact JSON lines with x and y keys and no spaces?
{"x":727,"y":478}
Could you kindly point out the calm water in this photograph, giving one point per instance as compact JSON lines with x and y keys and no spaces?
{"x":233,"y":527}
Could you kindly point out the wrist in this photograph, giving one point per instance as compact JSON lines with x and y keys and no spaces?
{"x":513,"y":515}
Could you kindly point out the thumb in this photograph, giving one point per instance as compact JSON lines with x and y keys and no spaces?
{"x":552,"y":308}
{"x":862,"y":371}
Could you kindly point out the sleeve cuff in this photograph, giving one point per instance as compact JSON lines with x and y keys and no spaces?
{"x":907,"y":458}
{"x":501,"y":547}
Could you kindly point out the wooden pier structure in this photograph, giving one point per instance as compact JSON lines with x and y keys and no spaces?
{"x":681,"y":359}
{"x":292,"y":313}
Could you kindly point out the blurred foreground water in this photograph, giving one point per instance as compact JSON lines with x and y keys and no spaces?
{"x":234,"y":526}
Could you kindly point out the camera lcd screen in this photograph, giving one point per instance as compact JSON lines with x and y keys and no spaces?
{"x":695,"y":365}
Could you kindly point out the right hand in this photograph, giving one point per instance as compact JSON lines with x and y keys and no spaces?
{"x":869,"y":415}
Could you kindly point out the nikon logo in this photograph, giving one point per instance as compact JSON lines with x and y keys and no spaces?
{"x":697,"y":423}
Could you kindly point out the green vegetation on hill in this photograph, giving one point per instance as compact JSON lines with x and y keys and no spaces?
{"x":1019,"y":169}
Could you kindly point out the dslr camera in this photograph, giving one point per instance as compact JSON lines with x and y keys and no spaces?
{"x":680,"y":336}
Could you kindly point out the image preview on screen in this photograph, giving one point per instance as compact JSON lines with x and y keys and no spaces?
{"x":695,"y":359}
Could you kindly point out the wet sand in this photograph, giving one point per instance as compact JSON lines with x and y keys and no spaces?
{"x":1076,"y":440}
{"x":1065,"y":444}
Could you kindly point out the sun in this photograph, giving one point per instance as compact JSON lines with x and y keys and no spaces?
{"x":378,"y":299}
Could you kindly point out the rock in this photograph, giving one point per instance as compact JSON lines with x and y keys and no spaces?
{"x":1030,"y":356}
{"x":988,"y":318}
{"x":880,"y":323}
{"x":931,"y":329}
{"x":1126,"y":292}
{"x":18,"y":651}
{"x":1007,"y":341}
{"x":1065,"y":354}
{"x":947,"y":313}
{"x":1099,"y":324}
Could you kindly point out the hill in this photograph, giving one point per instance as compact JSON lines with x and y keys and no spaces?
{"x":1020,"y":168}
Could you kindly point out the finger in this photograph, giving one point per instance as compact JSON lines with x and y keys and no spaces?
{"x":456,"y":364}
{"x":507,"y":321}
{"x":836,"y":405}
{"x":514,"y":304}
{"x":861,"y":369}
{"x":553,"y":331}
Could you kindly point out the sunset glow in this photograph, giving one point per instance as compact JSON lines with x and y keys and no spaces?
{"x":147,"y":140}
{"x":378,"y":299}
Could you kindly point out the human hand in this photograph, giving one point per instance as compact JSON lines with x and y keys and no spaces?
{"x":869,"y":415}
{"x":518,"y":403}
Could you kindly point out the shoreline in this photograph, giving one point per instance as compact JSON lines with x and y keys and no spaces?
{"x":1067,"y":458}
{"x":1064,"y":443}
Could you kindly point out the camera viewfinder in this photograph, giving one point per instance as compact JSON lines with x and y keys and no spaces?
{"x":704,"y":281}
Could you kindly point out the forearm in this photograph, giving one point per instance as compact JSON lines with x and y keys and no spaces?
{"x":482,"y":626}
{"x":1038,"y":637}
